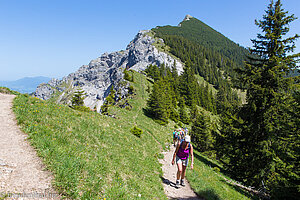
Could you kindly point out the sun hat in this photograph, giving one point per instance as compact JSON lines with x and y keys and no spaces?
{"x":187,"y":138}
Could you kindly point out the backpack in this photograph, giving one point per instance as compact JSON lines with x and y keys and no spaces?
{"x":189,"y":146}
{"x":176,"y":134}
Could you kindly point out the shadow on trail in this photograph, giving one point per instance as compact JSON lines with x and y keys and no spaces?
{"x":186,"y":198}
{"x":172,"y":184}
{"x":168,"y":182}
{"x":209,"y":194}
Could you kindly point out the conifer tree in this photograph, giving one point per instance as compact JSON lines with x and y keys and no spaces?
{"x":199,"y":132}
{"x":156,"y":104}
{"x":268,"y":136}
{"x":175,"y":79}
{"x":184,"y":117}
{"x":78,"y":98}
{"x":188,"y":84}
{"x":109,"y":101}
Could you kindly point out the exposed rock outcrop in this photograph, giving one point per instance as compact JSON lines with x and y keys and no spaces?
{"x":100,"y":74}
{"x":186,"y":18}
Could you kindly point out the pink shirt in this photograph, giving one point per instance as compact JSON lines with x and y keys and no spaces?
{"x":183,"y":153}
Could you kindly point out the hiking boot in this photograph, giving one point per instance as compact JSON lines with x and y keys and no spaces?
{"x":182,"y":183}
{"x":177,"y":184}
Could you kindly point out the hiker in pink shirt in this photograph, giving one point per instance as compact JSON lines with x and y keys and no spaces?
{"x":182,"y":152}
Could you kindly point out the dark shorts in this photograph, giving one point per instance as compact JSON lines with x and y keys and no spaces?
{"x":183,"y":161}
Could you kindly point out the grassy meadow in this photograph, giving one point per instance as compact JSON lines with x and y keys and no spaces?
{"x":208,"y":182}
{"x":97,"y":157}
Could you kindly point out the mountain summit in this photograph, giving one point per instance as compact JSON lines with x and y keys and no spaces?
{"x":187,"y":17}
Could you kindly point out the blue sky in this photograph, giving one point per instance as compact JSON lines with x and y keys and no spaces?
{"x":55,"y":37}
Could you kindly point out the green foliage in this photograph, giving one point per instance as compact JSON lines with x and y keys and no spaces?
{"x":227,"y":99}
{"x":209,"y":184}
{"x":93,"y":156}
{"x":153,"y":72}
{"x":109,"y":101}
{"x":264,"y":143}
{"x":127,"y":76}
{"x":136,"y":131}
{"x":170,"y":90}
{"x":130,"y":89}
{"x":210,"y":52}
{"x":156,"y":104}
{"x":81,"y":108}
{"x":183,"y":115}
{"x":6,"y":90}
{"x":77,"y":99}
{"x":199,"y":33}
{"x":203,"y":133}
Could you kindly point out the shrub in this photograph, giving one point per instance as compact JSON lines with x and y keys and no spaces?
{"x":77,"y":99}
{"x":136,"y":131}
{"x":81,"y":108}
{"x":180,"y":124}
{"x":127,"y":76}
{"x":216,"y":169}
{"x":131,"y":89}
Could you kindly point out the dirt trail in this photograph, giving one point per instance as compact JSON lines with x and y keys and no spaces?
{"x":21,"y":171}
{"x":169,"y":179}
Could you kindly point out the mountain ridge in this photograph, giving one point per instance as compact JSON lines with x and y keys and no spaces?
{"x":107,"y":71}
{"x":96,"y":78}
{"x":26,"y":84}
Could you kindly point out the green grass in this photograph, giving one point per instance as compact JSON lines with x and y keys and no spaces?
{"x":6,"y":90}
{"x":96,"y":157}
{"x":207,"y":181}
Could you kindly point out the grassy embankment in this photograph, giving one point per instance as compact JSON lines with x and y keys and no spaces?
{"x":6,"y":90}
{"x":96,"y":157}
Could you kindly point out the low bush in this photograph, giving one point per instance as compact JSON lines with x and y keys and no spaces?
{"x":136,"y":131}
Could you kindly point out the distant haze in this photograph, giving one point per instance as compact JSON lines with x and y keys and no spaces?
{"x":25,"y":85}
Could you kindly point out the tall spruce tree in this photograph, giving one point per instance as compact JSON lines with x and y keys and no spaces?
{"x":157,"y":106}
{"x":269,"y":138}
{"x":188,"y":84}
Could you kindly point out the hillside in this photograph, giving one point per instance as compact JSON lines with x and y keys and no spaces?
{"x":204,"y":35}
{"x":95,"y":156}
{"x":211,"y":54}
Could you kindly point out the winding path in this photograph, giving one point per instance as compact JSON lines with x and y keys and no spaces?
{"x":21,"y":170}
{"x":169,"y":179}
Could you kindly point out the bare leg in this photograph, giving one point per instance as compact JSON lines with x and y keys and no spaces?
{"x":179,"y":172}
{"x":183,"y":172}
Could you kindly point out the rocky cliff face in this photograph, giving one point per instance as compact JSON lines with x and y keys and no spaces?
{"x":100,"y":74}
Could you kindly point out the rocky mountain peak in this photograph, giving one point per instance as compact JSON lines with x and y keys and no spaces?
{"x":96,"y":78}
{"x":187,"y":17}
